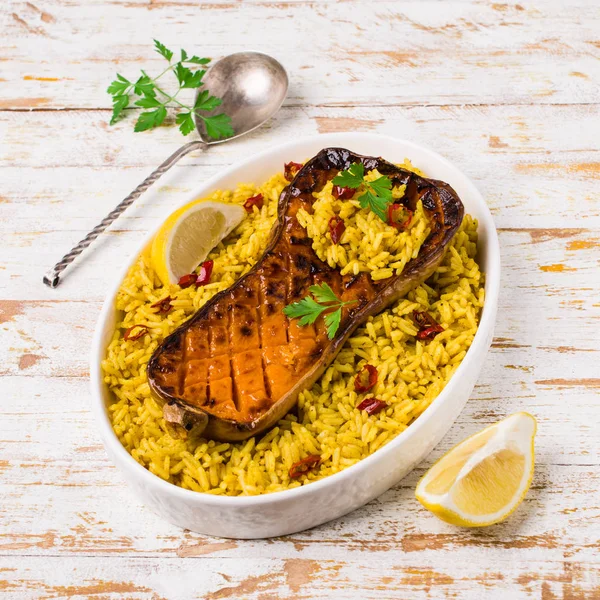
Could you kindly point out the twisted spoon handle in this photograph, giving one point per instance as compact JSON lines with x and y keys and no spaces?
{"x":52,"y":277}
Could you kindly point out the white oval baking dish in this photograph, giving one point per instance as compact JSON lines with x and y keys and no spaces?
{"x":293,"y":510}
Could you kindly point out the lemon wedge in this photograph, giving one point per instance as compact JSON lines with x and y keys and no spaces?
{"x":189,"y":234}
{"x":482,"y":480}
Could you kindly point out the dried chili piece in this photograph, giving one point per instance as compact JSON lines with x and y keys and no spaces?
{"x":336,"y":228}
{"x":257,"y":201}
{"x":290,"y":169}
{"x":399,"y":216}
{"x":430,"y":332}
{"x":303,"y":466}
{"x":422,"y":318}
{"x":365,"y":379}
{"x":164,"y":305}
{"x":428,"y":326}
{"x":185,"y":281}
{"x":129,"y":336}
{"x":372,"y":406}
{"x":205,"y":272}
{"x":342,"y":193}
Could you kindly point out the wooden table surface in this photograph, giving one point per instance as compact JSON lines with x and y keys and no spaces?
{"x":508,"y":92}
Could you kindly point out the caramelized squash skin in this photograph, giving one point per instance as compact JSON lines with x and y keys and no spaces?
{"x":237,"y":366}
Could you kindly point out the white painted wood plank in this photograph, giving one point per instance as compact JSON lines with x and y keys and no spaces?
{"x":531,"y":136}
{"x":65,"y":517}
{"x":524,"y":159}
{"x":81,"y":508}
{"x":549,"y":305}
{"x":62,"y":405}
{"x":352,"y":52}
{"x":210,"y":578}
{"x":59,"y":462}
{"x":62,"y":467}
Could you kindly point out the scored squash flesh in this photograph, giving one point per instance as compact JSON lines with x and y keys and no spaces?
{"x":237,"y":366}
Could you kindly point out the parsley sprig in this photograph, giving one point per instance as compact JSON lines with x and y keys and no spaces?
{"x":378,"y":193}
{"x":156,"y":100}
{"x":309,"y":309}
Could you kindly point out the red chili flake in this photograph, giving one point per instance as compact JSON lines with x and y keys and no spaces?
{"x":304,"y":465}
{"x":185,"y":281}
{"x":336,"y":228}
{"x":428,"y":326}
{"x":399,"y":216}
{"x":430,"y":332}
{"x":130,"y":336}
{"x":366,"y":379}
{"x":342,"y":193}
{"x":205,"y":273}
{"x":290,"y":169}
{"x":257,"y":201}
{"x":372,"y":406}
{"x":164,"y":305}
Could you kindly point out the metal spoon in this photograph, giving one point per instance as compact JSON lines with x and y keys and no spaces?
{"x":252,"y":86}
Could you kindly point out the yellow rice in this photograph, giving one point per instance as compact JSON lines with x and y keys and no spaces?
{"x":367,"y":244}
{"x":411,"y":373}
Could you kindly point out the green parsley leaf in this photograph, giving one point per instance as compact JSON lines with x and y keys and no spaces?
{"x":205,"y":101}
{"x":188,"y":78}
{"x":382,"y":187}
{"x":218,"y":127}
{"x":119,"y":86}
{"x":144,"y":86}
{"x":148,"y":102}
{"x":158,"y":100}
{"x":307,"y":310}
{"x":119,"y":103}
{"x":332,"y":322}
{"x":149,"y":120}
{"x":197,"y":60}
{"x":182,"y":73}
{"x":323,"y":293}
{"x":378,"y":193}
{"x":195,"y":79}
{"x":352,"y":178}
{"x":185,"y":120}
{"x":163,"y":50}
{"x":375,"y":203}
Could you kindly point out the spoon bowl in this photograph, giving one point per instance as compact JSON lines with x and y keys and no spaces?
{"x":252,"y":87}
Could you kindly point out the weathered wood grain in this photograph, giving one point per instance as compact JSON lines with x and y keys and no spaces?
{"x":508,"y":91}
{"x":210,"y":578}
{"x":534,"y":295}
{"x":336,"y":52}
{"x":65,"y":499}
{"x":522,"y":159}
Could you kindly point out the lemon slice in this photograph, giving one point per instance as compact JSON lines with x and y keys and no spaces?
{"x":189,"y":234}
{"x":482,"y":480}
